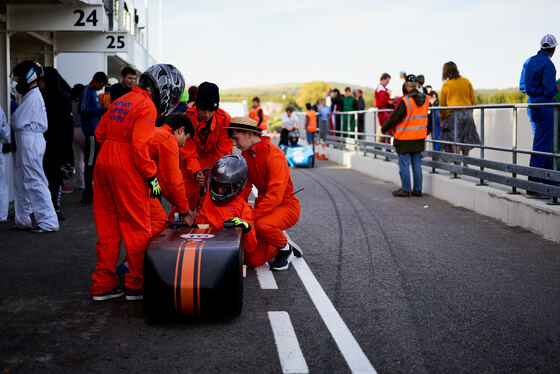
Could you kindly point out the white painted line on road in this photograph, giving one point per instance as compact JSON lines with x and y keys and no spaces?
{"x":352,"y":352}
{"x":289,"y":351}
{"x":265,"y":277}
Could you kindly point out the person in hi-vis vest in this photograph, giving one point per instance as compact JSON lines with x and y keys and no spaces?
{"x":410,"y":120}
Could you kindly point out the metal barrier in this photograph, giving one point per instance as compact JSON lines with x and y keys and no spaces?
{"x":505,"y":173}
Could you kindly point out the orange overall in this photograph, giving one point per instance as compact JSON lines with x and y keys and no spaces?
{"x":209,"y":144}
{"x":121,"y":201}
{"x":254,"y":115}
{"x":215,"y":215}
{"x":164,"y":151}
{"x":276,"y":208}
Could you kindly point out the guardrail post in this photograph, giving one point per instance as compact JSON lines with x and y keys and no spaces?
{"x":481,"y":183}
{"x":434,"y":158}
{"x":355,"y":131}
{"x":455,"y":127}
{"x":555,"y":150}
{"x":374,"y":132}
{"x":514,"y":150}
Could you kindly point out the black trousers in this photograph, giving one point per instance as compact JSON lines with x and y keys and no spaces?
{"x":92,"y":149}
{"x":52,"y":162}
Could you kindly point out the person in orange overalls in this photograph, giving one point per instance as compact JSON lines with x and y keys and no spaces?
{"x":276,"y":208}
{"x":209,"y":142}
{"x":256,"y":113}
{"x":224,"y":202}
{"x":164,"y":150}
{"x":125,"y":178}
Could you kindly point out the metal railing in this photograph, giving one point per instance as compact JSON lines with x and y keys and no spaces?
{"x":542,"y":181}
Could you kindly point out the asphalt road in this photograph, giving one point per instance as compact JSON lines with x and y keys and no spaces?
{"x":422,"y":286}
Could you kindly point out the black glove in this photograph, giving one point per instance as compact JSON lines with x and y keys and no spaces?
{"x":238,"y":222}
{"x":155,"y":189}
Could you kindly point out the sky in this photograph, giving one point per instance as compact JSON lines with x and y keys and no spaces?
{"x":245,"y":43}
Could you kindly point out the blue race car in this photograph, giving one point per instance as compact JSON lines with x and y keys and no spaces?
{"x":296,"y":154}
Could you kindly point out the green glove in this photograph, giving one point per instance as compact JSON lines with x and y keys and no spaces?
{"x":238,"y":222}
{"x":155,"y":189}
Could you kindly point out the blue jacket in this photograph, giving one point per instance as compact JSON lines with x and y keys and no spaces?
{"x":90,"y":111}
{"x":538,"y":78}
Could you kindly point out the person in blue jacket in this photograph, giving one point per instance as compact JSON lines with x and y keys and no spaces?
{"x":91,"y":113}
{"x":538,"y":81}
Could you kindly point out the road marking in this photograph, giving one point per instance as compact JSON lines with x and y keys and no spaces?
{"x":265,"y":277}
{"x":347,"y":344}
{"x":289,"y":351}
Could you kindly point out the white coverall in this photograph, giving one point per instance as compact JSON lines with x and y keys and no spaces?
{"x":30,"y":184}
{"x":4,"y":198}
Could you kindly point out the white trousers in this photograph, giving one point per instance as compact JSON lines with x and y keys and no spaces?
{"x":30,"y":184}
{"x":4,"y":195}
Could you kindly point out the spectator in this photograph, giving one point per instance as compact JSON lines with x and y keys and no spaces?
{"x":128,"y":79}
{"x":360,"y":104}
{"x":30,"y":122}
{"x":256,"y":114}
{"x":91,"y":113}
{"x":410,"y":118}
{"x":324,"y":118}
{"x":420,"y":87}
{"x":310,"y":123}
{"x":538,"y":81}
{"x":557,"y":100}
{"x":383,"y":101}
{"x":434,"y":128}
{"x":336,"y":107}
{"x":327,"y":96}
{"x":192,"y":95}
{"x":182,"y":106}
{"x":78,"y":144}
{"x":402,"y":74}
{"x":105,"y":97}
{"x":348,"y":122}
{"x":428,"y":88}
{"x":4,"y":198}
{"x":290,"y":122}
{"x":56,"y":95}
{"x":457,"y":91}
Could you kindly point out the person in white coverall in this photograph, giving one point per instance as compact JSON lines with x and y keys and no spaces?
{"x":30,"y":122}
{"x":4,"y":198}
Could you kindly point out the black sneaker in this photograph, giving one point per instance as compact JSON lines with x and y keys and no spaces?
{"x":116,"y":292}
{"x":282,"y":260}
{"x":296,"y":250}
{"x":133,"y":295}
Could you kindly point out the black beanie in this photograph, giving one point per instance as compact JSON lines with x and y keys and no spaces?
{"x":207,"y":96}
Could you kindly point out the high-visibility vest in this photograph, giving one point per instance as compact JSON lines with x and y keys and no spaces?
{"x":415,"y":125}
{"x":254,"y":115}
{"x":312,"y":125}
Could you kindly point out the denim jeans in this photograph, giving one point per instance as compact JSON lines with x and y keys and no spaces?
{"x":404,"y":170}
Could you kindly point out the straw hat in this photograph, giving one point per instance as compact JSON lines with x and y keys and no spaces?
{"x":244,"y":124}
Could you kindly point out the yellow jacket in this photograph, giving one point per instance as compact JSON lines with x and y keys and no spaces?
{"x":456,"y":92}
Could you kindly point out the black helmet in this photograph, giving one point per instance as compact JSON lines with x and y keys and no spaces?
{"x":229,"y":174}
{"x":293,"y":136}
{"x":167,"y":84}
{"x":25,"y":74}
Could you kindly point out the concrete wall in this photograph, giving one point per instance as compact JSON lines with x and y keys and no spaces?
{"x":492,"y":201}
